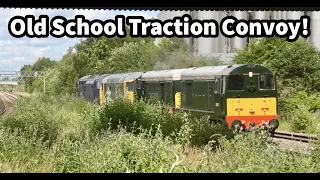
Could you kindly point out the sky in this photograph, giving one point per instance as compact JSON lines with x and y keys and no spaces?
{"x":16,"y":52}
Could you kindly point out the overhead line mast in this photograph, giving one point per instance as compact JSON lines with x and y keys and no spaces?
{"x":19,"y":75}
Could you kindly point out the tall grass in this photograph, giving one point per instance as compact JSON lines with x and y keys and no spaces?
{"x":140,"y":115}
{"x":65,"y":134}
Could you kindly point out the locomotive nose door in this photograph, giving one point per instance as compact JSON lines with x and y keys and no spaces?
{"x":94,"y":88}
{"x":251,"y":80}
{"x":218,"y":96}
{"x":129,"y":89}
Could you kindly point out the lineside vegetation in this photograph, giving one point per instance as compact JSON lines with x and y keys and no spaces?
{"x":65,"y":134}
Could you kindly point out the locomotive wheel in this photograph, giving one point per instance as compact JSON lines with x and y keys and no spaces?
{"x":236,"y":125}
{"x":273,"y":125}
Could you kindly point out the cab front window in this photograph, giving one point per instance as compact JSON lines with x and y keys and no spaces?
{"x":266,"y":81}
{"x":130,"y":86}
{"x":235,"y":83}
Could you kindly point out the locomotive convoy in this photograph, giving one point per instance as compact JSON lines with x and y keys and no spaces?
{"x":242,"y":95}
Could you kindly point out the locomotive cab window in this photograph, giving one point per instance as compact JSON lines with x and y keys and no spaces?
{"x":235,"y":82}
{"x":130,"y":86}
{"x":266,"y":81}
{"x":139,"y":84}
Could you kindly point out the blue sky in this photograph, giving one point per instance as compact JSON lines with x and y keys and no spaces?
{"x":16,"y":52}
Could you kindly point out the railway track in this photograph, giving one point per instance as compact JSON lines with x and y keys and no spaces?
{"x":10,"y":96}
{"x":3,"y":107}
{"x":307,"y":138}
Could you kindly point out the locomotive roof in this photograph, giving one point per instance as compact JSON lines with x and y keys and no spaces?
{"x":206,"y":72}
{"x":133,"y":76}
{"x":91,"y":79}
{"x":203,"y":72}
{"x":210,"y":72}
{"x":84,"y":78}
{"x":173,"y":74}
{"x":100,"y":79}
{"x":116,"y":78}
{"x":195,"y":72}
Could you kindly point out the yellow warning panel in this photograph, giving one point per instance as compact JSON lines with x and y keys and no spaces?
{"x":102,"y":94}
{"x":130,"y":96}
{"x":178,"y":100}
{"x":251,"y":106}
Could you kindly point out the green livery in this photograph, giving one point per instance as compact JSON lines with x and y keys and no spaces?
{"x":211,"y":90}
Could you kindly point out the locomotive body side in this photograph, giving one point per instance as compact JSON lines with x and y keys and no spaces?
{"x":201,"y":92}
{"x":161,"y":86}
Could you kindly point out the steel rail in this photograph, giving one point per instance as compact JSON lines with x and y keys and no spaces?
{"x":10,"y":96}
{"x":295,"y":136}
{"x":4,"y":107}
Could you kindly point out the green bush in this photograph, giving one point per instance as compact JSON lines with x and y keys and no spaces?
{"x":33,"y":121}
{"x":139,"y":114}
{"x":300,"y":110}
{"x":113,"y":152}
{"x":52,"y":118}
{"x":142,"y":115}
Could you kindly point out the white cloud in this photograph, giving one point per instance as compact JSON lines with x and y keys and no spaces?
{"x":41,"y":52}
{"x":16,"y":52}
{"x":7,"y":14}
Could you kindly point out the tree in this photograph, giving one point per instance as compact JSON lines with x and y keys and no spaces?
{"x":175,"y":53}
{"x":296,"y":64}
{"x":93,"y":55}
{"x":133,"y":56}
{"x":64,"y":76}
{"x":174,"y":44}
{"x":27,"y":80}
{"x":43,"y":64}
{"x":185,"y":59}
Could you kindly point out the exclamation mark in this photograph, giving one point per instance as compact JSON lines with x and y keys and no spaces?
{"x":305,"y":25}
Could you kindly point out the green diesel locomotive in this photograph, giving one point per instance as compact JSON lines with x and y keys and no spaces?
{"x":242,"y":95}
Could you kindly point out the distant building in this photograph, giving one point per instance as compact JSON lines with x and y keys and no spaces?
{"x":227,"y":46}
